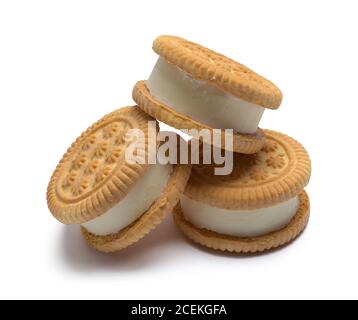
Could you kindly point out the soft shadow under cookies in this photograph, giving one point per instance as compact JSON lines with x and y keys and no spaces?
{"x":155,"y":248}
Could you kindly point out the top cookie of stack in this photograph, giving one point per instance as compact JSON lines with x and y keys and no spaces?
{"x":192,"y":87}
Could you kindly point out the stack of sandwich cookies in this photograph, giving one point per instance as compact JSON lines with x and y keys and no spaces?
{"x":261,"y":205}
{"x":115,"y":201}
{"x":192,"y":87}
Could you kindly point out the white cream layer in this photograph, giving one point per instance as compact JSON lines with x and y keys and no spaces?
{"x":239,"y":223}
{"x":134,"y":204}
{"x":202,"y":101}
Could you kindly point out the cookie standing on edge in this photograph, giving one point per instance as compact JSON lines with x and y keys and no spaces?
{"x":192,"y":87}
{"x":260,"y":206}
{"x":116,"y":202}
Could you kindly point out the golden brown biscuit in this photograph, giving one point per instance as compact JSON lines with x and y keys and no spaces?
{"x":207,"y":65}
{"x":192,"y":87}
{"x":94,"y":184}
{"x":93,"y":175}
{"x":259,"y":206}
{"x":278,"y":172}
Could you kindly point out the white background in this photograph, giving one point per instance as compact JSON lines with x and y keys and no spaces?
{"x":64,"y":64}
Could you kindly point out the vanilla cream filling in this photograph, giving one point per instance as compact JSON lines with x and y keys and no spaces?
{"x":240,"y":223}
{"x":134,"y":204}
{"x":202,"y":101}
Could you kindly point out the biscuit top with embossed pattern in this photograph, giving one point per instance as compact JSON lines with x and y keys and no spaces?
{"x":275,"y":174}
{"x":93,"y":175}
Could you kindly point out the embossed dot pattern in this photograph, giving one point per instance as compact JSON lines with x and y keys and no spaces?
{"x":93,"y":175}
{"x":95,"y":159}
{"x":278,"y":172}
{"x":249,"y":170}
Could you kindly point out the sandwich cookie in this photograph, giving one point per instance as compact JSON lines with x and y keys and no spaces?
{"x":117,"y":202}
{"x":192,"y":87}
{"x":261,"y":205}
